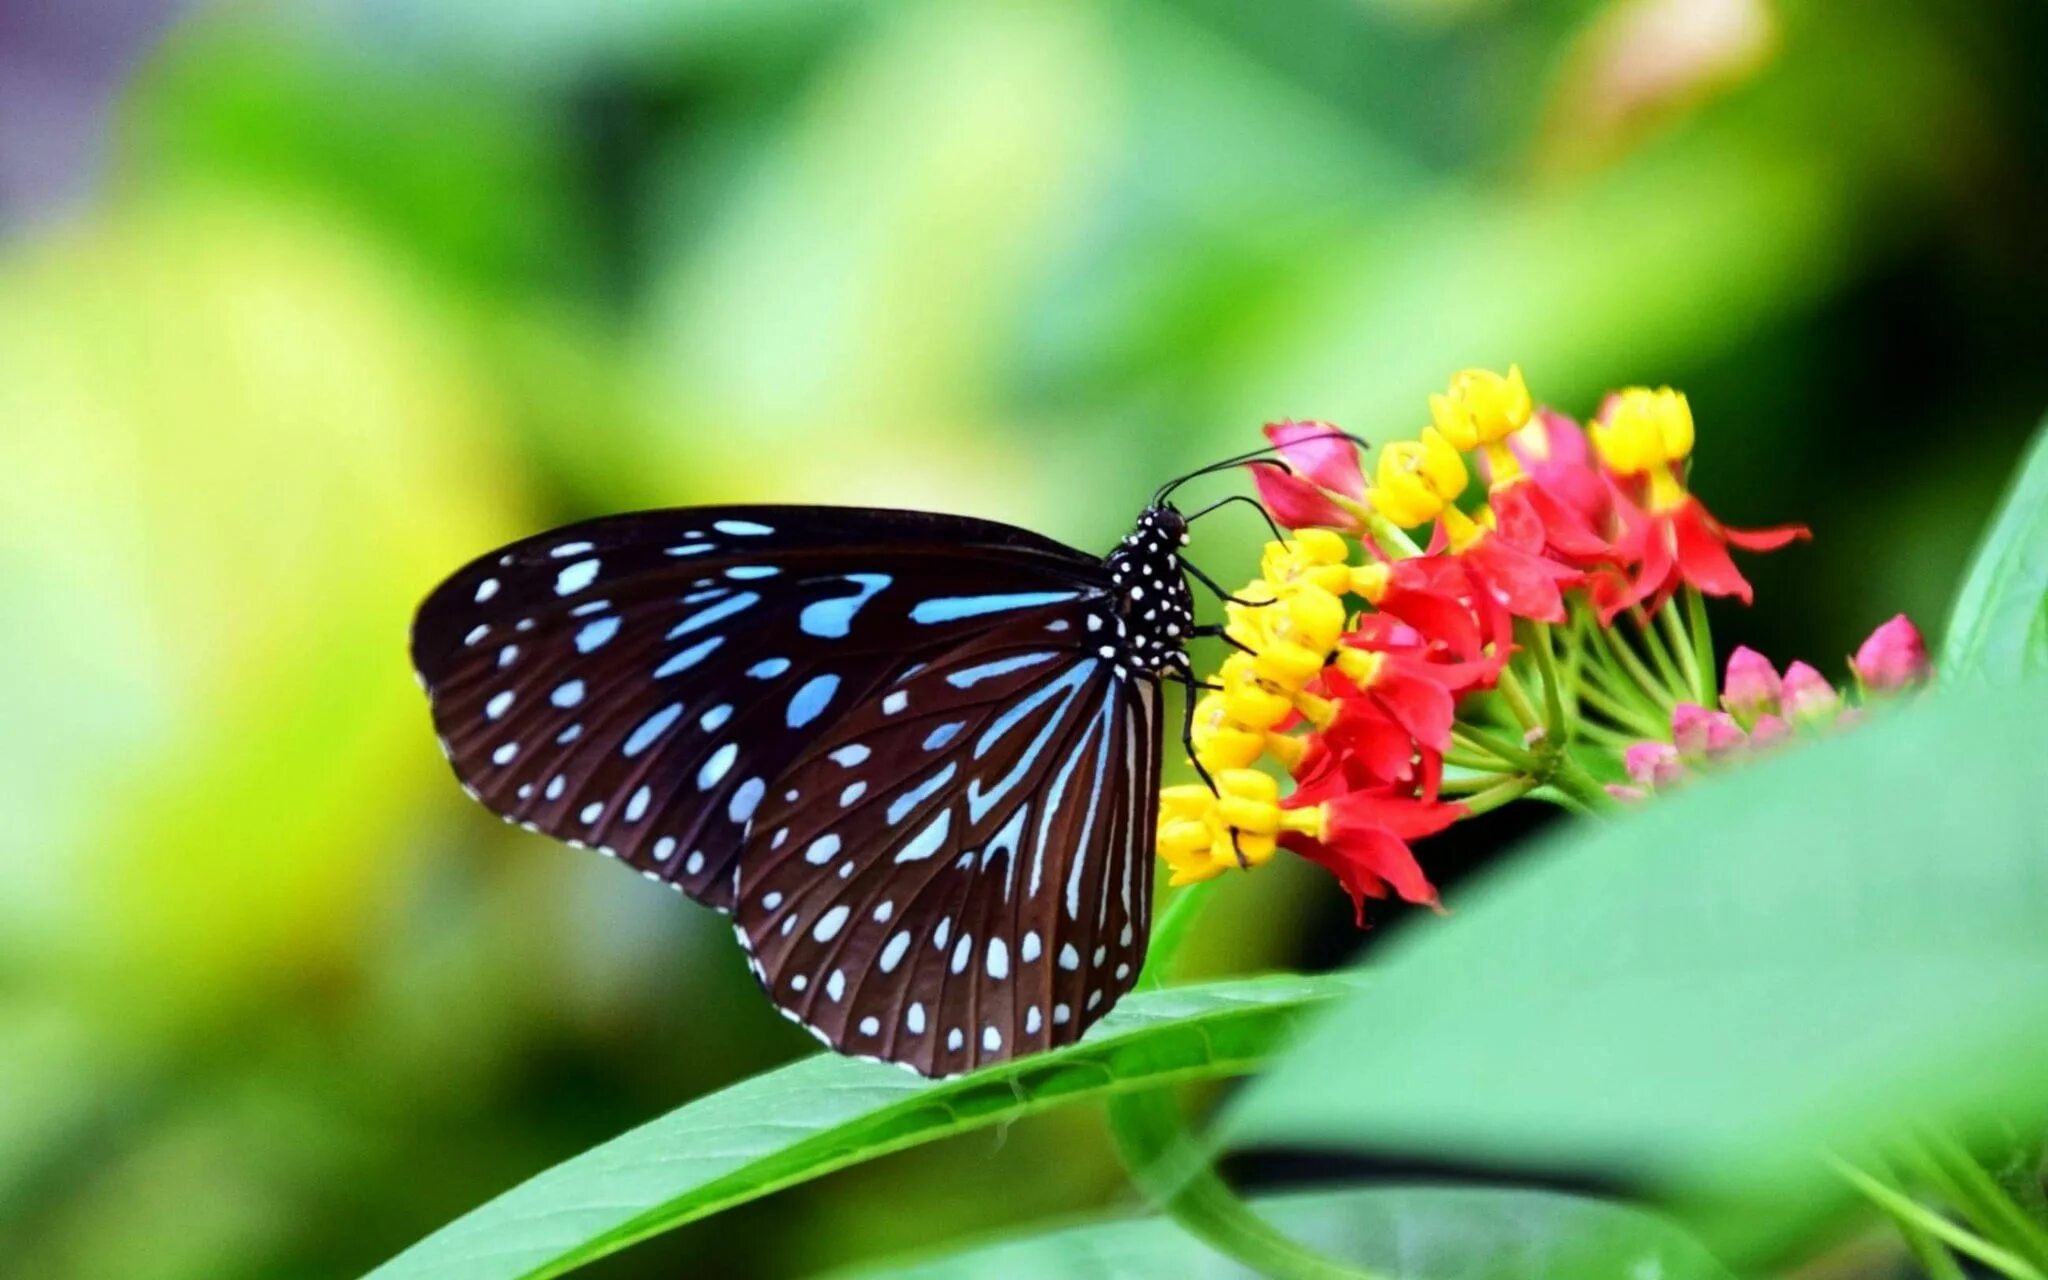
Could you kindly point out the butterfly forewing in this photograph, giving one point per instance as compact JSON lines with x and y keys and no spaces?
{"x":636,"y":683}
{"x":959,"y":870}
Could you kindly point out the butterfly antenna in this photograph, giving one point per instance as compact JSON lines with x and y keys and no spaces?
{"x":1166,"y":490}
{"x":1256,"y":505}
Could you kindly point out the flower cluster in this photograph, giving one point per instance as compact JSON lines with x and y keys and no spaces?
{"x":1761,"y":709}
{"x":1425,"y":647}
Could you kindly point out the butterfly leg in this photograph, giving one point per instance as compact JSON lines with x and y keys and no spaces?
{"x":1221,"y":594}
{"x":1189,"y":684}
{"x":1214,"y":630}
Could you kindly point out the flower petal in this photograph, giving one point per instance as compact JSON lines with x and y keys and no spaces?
{"x":1298,"y":504}
{"x":1319,"y":452}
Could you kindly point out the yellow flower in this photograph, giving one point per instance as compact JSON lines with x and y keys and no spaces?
{"x":1417,"y":479}
{"x":1188,"y":829}
{"x":1644,"y":433}
{"x":1361,"y":666}
{"x":1202,"y":834}
{"x":1245,"y":624}
{"x":1300,"y":631}
{"x":1246,"y":699}
{"x":1644,"y":429}
{"x":1371,"y":581}
{"x":1221,"y":742}
{"x":1481,"y":408}
{"x":1316,"y":556}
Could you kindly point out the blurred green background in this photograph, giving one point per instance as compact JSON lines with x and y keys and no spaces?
{"x":303,"y":305}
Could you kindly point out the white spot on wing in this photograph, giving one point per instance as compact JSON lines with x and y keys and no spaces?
{"x":830,"y":923}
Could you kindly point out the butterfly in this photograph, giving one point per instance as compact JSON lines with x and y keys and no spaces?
{"x":914,"y":756}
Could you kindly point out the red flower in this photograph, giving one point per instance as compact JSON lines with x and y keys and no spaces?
{"x":1508,"y":563}
{"x":1567,"y":536}
{"x":1555,"y":452}
{"x":1667,"y":538}
{"x":1433,"y":595}
{"x":1681,"y":544}
{"x":1365,"y":839}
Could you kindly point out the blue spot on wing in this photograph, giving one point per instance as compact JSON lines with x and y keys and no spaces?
{"x":901,"y":806}
{"x":980,"y":802}
{"x":651,"y":728}
{"x":832,"y":619}
{"x":715,"y":613}
{"x":967,"y":676}
{"x":596,"y":634}
{"x":810,"y":701}
{"x":689,"y":657}
{"x":953,"y":608}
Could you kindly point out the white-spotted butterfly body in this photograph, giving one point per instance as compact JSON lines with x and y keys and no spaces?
{"x":1157,"y":610}
{"x":915,"y":756}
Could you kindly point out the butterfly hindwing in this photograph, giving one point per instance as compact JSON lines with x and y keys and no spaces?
{"x":960,"y":869}
{"x":636,"y":683}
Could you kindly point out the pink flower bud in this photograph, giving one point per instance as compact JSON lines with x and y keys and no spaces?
{"x":1298,"y":504}
{"x":1752,"y":685}
{"x":1767,"y":732}
{"x":1894,"y":658}
{"x":1806,"y":695}
{"x":1700,"y":733}
{"x":1320,"y":454}
{"x":1654,"y":764}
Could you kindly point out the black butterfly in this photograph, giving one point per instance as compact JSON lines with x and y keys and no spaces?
{"x":915,"y":756}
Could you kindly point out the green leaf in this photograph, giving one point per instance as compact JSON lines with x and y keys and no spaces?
{"x":1709,"y":990}
{"x":827,"y":1112}
{"x":1423,"y":1233}
{"x":1999,"y":627}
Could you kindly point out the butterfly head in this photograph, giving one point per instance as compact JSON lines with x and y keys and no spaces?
{"x":1158,"y":613}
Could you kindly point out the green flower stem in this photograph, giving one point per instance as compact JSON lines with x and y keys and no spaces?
{"x":1932,"y":1255}
{"x":1554,"y":716}
{"x":1900,"y":1206}
{"x":1551,"y":795}
{"x":2019,"y":1174}
{"x":1622,"y":691}
{"x":1170,"y":931}
{"x":1518,"y":700}
{"x":1955,"y":1174}
{"x":1675,"y":683}
{"x":1474,"y":738}
{"x":1498,"y":794}
{"x":1481,"y":762}
{"x":1654,"y":691}
{"x":1698,"y":680}
{"x":1570,"y":778}
{"x":1703,"y":646}
{"x":1173,"y":1169}
{"x":1601,"y":735}
{"x":1472,"y":784}
{"x":1622,"y":713}
{"x":1390,"y":537}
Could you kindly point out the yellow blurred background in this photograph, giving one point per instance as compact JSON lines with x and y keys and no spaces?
{"x":302,"y":306}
